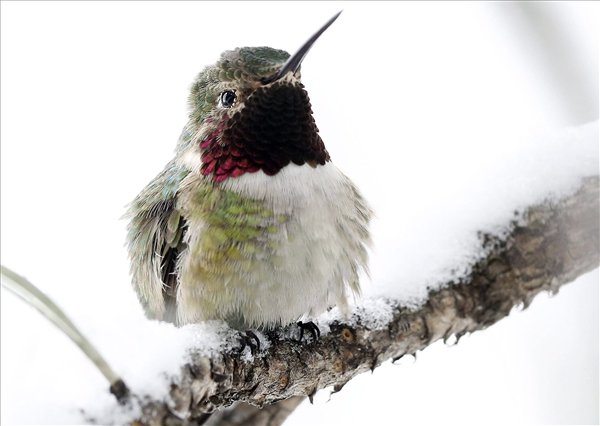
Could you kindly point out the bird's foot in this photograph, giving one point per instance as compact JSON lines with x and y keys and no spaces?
{"x":311,"y":327}
{"x":249,"y":339}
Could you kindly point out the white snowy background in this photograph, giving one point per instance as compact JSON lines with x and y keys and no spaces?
{"x":449,"y":116}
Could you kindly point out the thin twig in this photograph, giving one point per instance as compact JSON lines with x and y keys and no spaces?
{"x":34,"y":297}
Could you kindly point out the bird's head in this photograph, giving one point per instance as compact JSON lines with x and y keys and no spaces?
{"x":250,"y":112}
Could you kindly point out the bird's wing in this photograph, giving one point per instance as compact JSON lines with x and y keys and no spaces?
{"x":155,"y":241}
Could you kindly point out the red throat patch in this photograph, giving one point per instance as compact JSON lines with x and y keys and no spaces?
{"x":275,"y":128}
{"x":220,"y":159}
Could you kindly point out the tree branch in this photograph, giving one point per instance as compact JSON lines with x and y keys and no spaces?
{"x":551,"y":246}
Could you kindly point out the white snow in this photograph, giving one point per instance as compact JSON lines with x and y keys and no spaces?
{"x":450,"y":136}
{"x":418,"y":243}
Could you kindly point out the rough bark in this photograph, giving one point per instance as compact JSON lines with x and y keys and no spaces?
{"x":551,"y":245}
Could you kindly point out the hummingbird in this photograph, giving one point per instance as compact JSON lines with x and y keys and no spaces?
{"x":250,"y":222}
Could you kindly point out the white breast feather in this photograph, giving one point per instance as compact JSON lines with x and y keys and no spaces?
{"x":322,"y":241}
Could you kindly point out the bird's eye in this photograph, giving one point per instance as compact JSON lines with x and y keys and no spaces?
{"x":228,"y":98}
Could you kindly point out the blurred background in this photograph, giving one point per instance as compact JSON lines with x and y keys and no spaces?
{"x":94,"y":97}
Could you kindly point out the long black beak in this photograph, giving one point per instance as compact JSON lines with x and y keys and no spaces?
{"x":294,"y":61}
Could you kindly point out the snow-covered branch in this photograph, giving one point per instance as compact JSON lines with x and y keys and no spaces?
{"x":551,"y":245}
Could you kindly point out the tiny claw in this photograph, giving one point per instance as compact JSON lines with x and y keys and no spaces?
{"x":251,"y":340}
{"x":312,"y":329}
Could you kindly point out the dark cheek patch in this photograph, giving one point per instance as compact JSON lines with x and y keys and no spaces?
{"x":275,"y":127}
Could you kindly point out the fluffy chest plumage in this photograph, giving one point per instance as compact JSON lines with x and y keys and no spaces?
{"x":264,"y":250}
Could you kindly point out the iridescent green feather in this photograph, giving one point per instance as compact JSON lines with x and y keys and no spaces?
{"x":242,"y":64}
{"x":236,"y":228}
{"x":238,"y":235}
